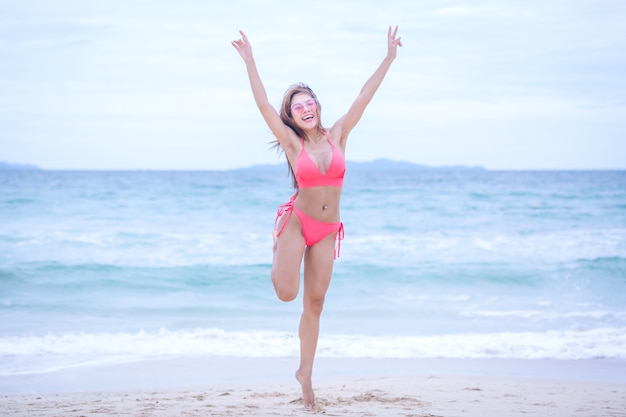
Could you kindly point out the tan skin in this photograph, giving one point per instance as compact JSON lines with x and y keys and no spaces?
{"x":320,"y":203}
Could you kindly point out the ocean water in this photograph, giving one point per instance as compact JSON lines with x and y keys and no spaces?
{"x":112,"y":267}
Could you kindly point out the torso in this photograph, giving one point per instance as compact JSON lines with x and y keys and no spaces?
{"x":320,"y":189}
{"x":309,"y":174}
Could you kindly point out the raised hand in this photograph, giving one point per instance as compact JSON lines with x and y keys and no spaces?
{"x":393,"y":42}
{"x":243,"y":46}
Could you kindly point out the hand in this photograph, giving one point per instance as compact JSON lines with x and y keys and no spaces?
{"x":393,"y":42}
{"x":243,"y":46}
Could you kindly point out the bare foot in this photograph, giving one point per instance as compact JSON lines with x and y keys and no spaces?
{"x":307,"y":390}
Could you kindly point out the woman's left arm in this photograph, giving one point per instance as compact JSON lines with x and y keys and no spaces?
{"x":346,"y":123}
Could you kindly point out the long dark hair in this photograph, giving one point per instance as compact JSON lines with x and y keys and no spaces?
{"x":287,"y":118}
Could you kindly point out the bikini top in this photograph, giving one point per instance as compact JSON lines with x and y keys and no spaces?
{"x":308,"y":175}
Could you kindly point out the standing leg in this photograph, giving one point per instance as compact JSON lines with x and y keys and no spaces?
{"x":318,"y":268}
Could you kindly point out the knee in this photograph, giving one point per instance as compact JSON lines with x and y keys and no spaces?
{"x":286,"y":295}
{"x":314,"y":306}
{"x":284,"y":292}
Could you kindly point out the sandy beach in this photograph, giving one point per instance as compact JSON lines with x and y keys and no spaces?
{"x":479,"y":388}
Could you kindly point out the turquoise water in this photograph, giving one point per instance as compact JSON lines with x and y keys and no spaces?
{"x":106,"y":267}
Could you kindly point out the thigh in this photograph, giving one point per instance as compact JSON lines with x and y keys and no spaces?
{"x":288,"y":252}
{"x":319,"y":260}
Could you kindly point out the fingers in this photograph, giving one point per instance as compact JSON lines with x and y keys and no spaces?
{"x":395,"y":32}
{"x":239,"y":43}
{"x":392,"y":36}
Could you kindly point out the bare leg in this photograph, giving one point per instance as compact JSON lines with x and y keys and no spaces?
{"x":318,"y":268}
{"x":288,"y":253}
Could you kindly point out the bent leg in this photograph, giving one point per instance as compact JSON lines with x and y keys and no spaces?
{"x":318,"y":268}
{"x":288,"y":252}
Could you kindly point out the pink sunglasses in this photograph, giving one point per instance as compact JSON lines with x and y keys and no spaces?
{"x":299,"y":108}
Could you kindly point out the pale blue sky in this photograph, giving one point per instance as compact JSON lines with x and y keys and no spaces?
{"x":534,"y":84}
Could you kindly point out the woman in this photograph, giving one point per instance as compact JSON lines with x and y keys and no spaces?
{"x":316,"y":159}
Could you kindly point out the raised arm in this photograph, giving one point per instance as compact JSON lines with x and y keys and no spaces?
{"x":346,"y":123}
{"x":269,"y":113}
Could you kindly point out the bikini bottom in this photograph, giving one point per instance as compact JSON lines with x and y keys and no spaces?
{"x":313,"y":230}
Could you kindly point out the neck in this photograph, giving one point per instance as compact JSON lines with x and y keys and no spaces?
{"x":315,"y":135}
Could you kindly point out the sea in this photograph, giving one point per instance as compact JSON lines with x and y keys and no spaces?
{"x":113,"y":267}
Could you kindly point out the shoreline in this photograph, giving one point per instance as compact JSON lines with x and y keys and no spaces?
{"x":191,"y":372}
{"x":363,"y":387}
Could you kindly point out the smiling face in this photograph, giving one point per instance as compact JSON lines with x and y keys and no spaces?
{"x":301,"y":111}
{"x":304,"y":111}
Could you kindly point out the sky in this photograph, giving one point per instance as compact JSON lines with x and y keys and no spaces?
{"x":533,"y":84}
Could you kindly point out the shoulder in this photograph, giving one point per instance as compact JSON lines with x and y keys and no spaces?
{"x":289,"y":140}
{"x":337,"y":135}
{"x":292,"y":145}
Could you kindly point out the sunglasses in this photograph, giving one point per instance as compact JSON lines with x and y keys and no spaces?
{"x":299,"y":108}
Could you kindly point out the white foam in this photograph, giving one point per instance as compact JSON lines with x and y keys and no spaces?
{"x":126,"y":244}
{"x":486,"y":246}
{"x":543,"y":315}
{"x":53,"y":352}
{"x":127,"y":247}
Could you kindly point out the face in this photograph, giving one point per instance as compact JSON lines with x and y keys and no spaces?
{"x":304,"y":111}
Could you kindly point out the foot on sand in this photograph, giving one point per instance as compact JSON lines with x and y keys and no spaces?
{"x":307,"y":390}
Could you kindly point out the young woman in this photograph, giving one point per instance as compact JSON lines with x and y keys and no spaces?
{"x":308,"y":227}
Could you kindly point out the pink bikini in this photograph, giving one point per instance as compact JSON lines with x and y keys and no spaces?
{"x":307,"y":176}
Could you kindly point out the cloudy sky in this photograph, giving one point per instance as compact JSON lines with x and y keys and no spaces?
{"x":533,"y":84}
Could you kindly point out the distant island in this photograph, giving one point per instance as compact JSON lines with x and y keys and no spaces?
{"x":379,"y":165}
{"x":375,"y":165}
{"x":5,"y":166}
{"x":391,"y":165}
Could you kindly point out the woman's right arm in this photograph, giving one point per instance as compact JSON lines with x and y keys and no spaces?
{"x":269,"y":113}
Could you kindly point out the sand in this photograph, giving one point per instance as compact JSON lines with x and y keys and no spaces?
{"x":481,"y":388}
